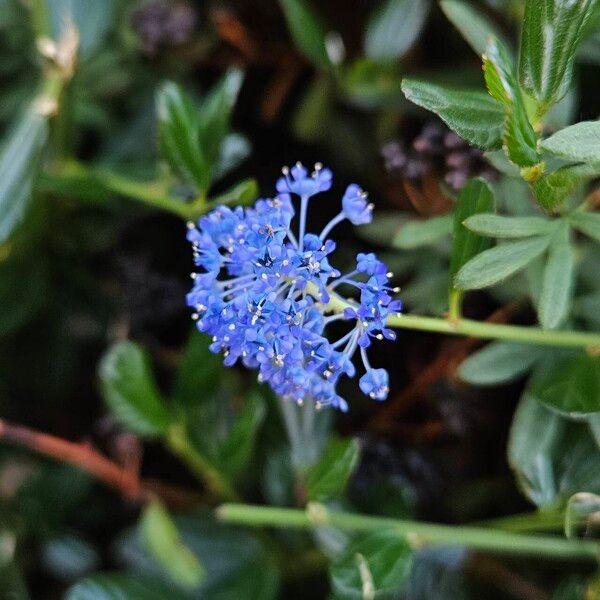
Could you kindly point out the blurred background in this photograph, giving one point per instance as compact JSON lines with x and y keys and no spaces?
{"x":93,"y":252}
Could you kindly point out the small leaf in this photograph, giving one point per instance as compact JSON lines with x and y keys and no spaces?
{"x":179,"y":135}
{"x":307,"y":31}
{"x":573,"y":387}
{"x":473,"y":115}
{"x":553,"y":457}
{"x":552,"y":189}
{"x":586,"y":222}
{"x":475,"y":197}
{"x":236,"y":450}
{"x":235,"y":148}
{"x":509,"y":227}
{"x":498,"y":263}
{"x":557,"y":285}
{"x":163,"y":542}
{"x":130,"y":391}
{"x":421,"y":233}
{"x":499,"y":362}
{"x":244,"y":192}
{"x":475,"y":28}
{"x":328,"y":478}
{"x":394,"y":28}
{"x":577,"y":143}
{"x":199,"y":372}
{"x":552,"y":30}
{"x":519,"y":138}
{"x":375,"y":565}
{"x":119,"y":586}
{"x":19,"y":163}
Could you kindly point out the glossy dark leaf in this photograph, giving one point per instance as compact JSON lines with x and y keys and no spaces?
{"x":473,"y":115}
{"x":476,"y":197}
{"x":375,"y":565}
{"x":329,"y":477}
{"x":130,"y":391}
{"x":573,"y":387}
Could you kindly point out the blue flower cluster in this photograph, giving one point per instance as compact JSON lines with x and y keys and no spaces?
{"x":263,"y":292}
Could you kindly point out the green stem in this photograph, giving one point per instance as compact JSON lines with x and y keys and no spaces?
{"x":455,"y":305}
{"x":536,"y":521}
{"x":179,"y":444}
{"x":490,"y":331}
{"x":40,"y":18}
{"x":416,"y":533}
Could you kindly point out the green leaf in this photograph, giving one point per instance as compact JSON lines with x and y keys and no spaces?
{"x":509,"y":227}
{"x":235,"y":453}
{"x":475,"y":197}
{"x":214,"y":117}
{"x":130,"y":391}
{"x":473,"y":115}
{"x":498,"y":263}
{"x":19,"y":163}
{"x":328,"y":478}
{"x":500,"y":362}
{"x":69,"y":557}
{"x":422,"y":233}
{"x":394,"y":28}
{"x":586,"y":222}
{"x":313,"y":110}
{"x":475,"y":28}
{"x":552,"y":30}
{"x":307,"y":30}
{"x":577,"y":143}
{"x":552,"y":457}
{"x":199,"y":372}
{"x":573,"y":387}
{"x":519,"y":138}
{"x":557,"y":285}
{"x":375,"y":565}
{"x":162,"y":540}
{"x":382,"y":229}
{"x":119,"y":586}
{"x":235,"y":148}
{"x":244,"y":192}
{"x":371,"y":85}
{"x":23,"y":291}
{"x":552,"y":189}
{"x":587,"y":307}
{"x":179,"y":135}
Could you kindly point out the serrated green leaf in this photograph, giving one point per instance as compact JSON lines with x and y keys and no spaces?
{"x":179,"y":135}
{"x":119,"y":586}
{"x":586,"y":222}
{"x":307,"y":30}
{"x":19,"y":164}
{"x":573,"y":387}
{"x":163,"y":542}
{"x":498,"y":263}
{"x":394,"y":27}
{"x":374,"y":566}
{"x":552,"y":189}
{"x":557,"y":285}
{"x":328,"y":478}
{"x":129,"y":390}
{"x":552,"y":457}
{"x":476,"y":197}
{"x":475,"y":28}
{"x":552,"y":30}
{"x":473,"y":115}
{"x":499,"y":362}
{"x":499,"y":226}
{"x":421,"y":233}
{"x":519,"y":138}
{"x":577,"y":143}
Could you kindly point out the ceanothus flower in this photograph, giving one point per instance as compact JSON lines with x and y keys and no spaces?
{"x":264,"y":292}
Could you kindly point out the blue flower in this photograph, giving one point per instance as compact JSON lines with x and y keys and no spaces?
{"x":263,"y":292}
